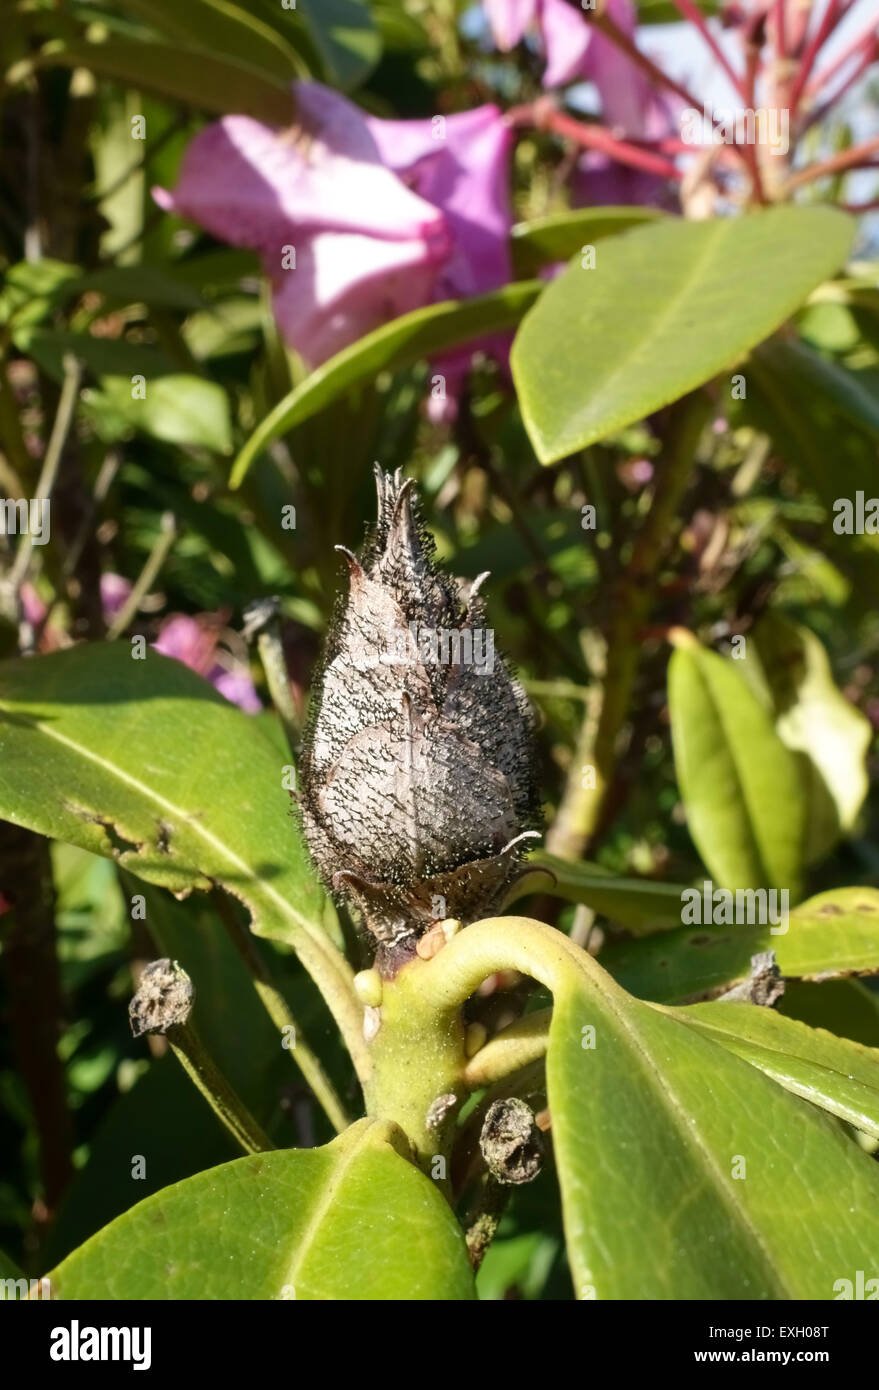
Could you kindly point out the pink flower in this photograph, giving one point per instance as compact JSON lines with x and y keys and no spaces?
{"x":383,"y":216}
{"x":194,"y":642}
{"x":576,"y":51}
{"x":600,"y":181}
{"x":345,"y":243}
{"x":460,"y":163}
{"x":114,"y":592}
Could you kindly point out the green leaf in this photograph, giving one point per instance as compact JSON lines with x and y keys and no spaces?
{"x":639,"y":904}
{"x":844,"y":388}
{"x":840,"y":1076}
{"x":833,"y":450}
{"x":224,"y":30}
{"x":185,"y":410}
{"x":844,"y":1007}
{"x":103,"y":357}
{"x":207,"y":82}
{"x":142,"y":760}
{"x":666,"y":308}
{"x":651,"y":1127}
{"x":8,"y":1270}
{"x":835,"y":933}
{"x":739,"y":782}
{"x":136,"y":284}
{"x":557,"y":237}
{"x":396,"y":344}
{"x":788,"y":667}
{"x":346,"y":38}
{"x":32,"y":289}
{"x":163,"y":1102}
{"x":350,"y":1221}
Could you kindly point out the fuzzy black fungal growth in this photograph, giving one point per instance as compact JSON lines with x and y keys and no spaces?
{"x":417,"y":780}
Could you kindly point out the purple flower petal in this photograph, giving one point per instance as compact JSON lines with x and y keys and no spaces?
{"x":237,"y":687}
{"x":344,"y":286}
{"x":188,"y":641}
{"x":567,"y":40}
{"x":509,"y":19}
{"x":257,"y":187}
{"x":114,"y":592}
{"x":194,"y":643}
{"x":461,"y":164}
{"x":366,"y":247}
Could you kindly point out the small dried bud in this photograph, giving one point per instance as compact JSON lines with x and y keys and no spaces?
{"x":417,"y":780}
{"x":163,"y":999}
{"x":510,"y":1142}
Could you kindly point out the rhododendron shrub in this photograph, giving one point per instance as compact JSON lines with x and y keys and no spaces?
{"x":438,"y":679}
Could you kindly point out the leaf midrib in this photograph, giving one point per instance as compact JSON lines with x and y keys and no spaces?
{"x":196,"y":827}
{"x":607,"y":385}
{"x":690,"y":1134}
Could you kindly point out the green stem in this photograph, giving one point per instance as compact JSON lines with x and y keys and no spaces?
{"x":271,"y":655}
{"x":279,"y":1012}
{"x":17,"y":464}
{"x":418,"y":1053}
{"x":581,"y":807}
{"x":516,"y":1047}
{"x":154,"y":562}
{"x":51,"y":462}
{"x":226,"y":1104}
{"x":417,"y":1056}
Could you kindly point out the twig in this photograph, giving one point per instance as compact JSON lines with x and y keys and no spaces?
{"x":659,"y":78}
{"x":749,"y":151}
{"x":696,"y":17}
{"x":262,"y":620}
{"x":51,"y":461}
{"x":163,"y":1004}
{"x":830,"y":18}
{"x":278,"y":1011}
{"x":846,"y":159}
{"x":154,"y":562}
{"x":595,"y":137}
{"x":580,"y":808}
{"x":868,"y":57}
{"x":104,"y":481}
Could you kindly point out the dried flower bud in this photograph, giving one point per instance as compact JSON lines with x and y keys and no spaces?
{"x":417,"y":780}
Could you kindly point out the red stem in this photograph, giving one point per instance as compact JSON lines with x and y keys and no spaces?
{"x":837,"y":164}
{"x":595,"y":137}
{"x":606,"y":26}
{"x":829,"y":20}
{"x":861,"y":39}
{"x":867,"y":60}
{"x":695,"y":16}
{"x":752,"y":65}
{"x":780,"y":30}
